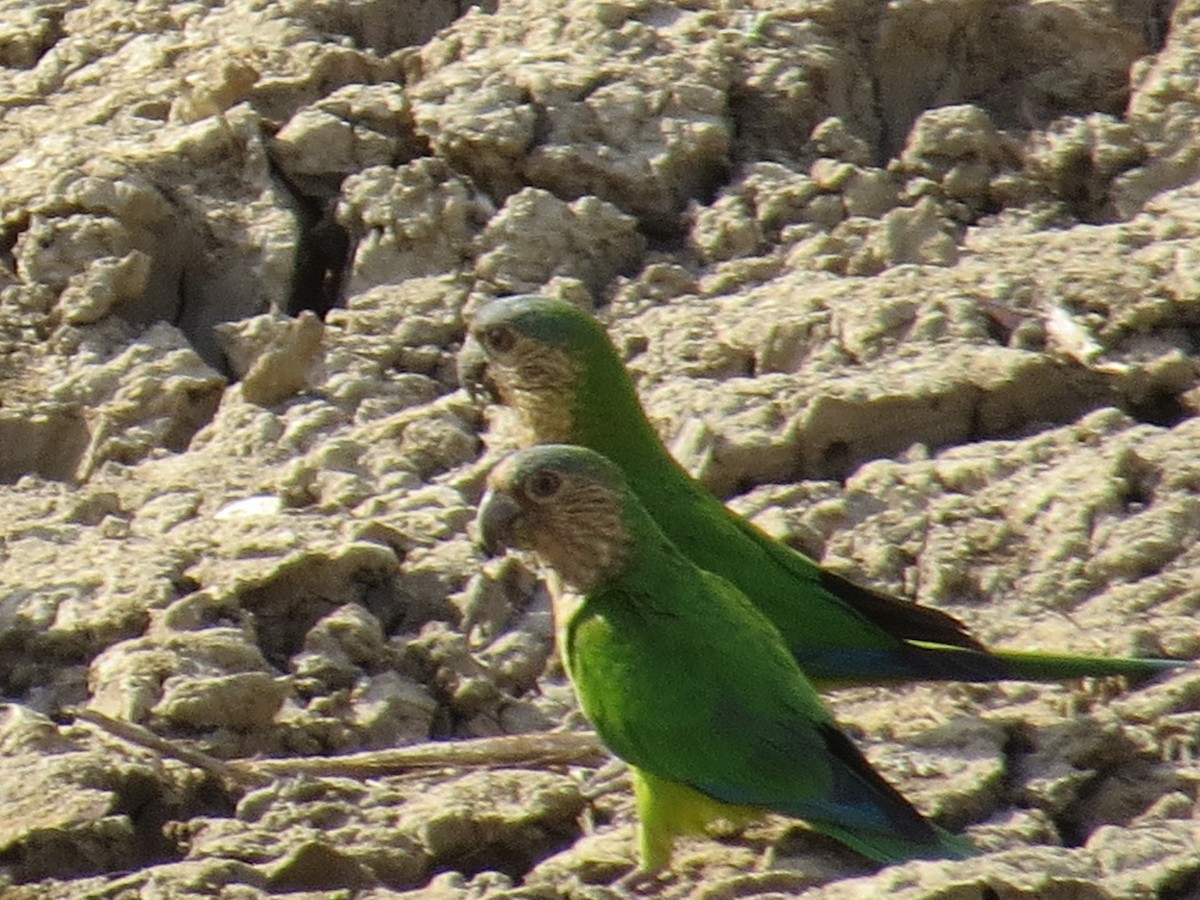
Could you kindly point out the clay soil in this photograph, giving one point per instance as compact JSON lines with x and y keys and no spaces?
{"x":915,"y":285}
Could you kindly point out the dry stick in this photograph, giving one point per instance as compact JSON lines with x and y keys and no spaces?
{"x":537,"y":750}
{"x":556,"y":748}
{"x":228,"y":774}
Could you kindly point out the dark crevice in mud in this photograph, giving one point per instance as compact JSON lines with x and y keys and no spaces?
{"x":198,"y":414}
{"x":1157,"y":28}
{"x":1083,"y":193}
{"x":707,"y":187}
{"x":282,"y":626}
{"x":510,"y":861}
{"x":1160,"y":407}
{"x":9,"y":236}
{"x":323,"y":249}
{"x":1141,"y":480}
{"x":322,"y":261}
{"x":1115,"y":794}
{"x":383,"y":29}
{"x":50,"y":855}
{"x":53,"y":34}
{"x":184,"y":585}
{"x":659,"y":241}
{"x":147,"y":804}
{"x":50,"y":445}
{"x":1069,"y":823}
{"x":668,"y":233}
{"x":836,"y":457}
{"x":1017,"y":744}
{"x":887,"y":145}
{"x":39,"y":38}
{"x":1187,"y":888}
{"x":150,"y":810}
{"x":287,"y":605}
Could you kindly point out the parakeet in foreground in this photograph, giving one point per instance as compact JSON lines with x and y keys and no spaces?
{"x":555,"y":365}
{"x":682,"y":677}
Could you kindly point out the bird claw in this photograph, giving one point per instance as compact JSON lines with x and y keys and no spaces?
{"x":643,"y":882}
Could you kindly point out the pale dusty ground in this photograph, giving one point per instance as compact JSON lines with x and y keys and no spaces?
{"x":915,"y":284}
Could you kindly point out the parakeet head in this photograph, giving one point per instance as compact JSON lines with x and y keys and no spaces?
{"x":565,"y":503}
{"x":534,"y":354}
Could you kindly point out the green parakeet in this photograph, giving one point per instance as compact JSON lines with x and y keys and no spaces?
{"x":682,"y":677}
{"x":555,"y":365}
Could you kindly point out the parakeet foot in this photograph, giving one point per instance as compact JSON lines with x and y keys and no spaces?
{"x":644,"y":882}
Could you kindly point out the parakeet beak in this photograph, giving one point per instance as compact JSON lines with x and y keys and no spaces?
{"x":494,"y":522}
{"x":473,"y":372}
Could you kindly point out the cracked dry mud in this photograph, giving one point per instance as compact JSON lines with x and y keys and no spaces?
{"x":914,"y":285}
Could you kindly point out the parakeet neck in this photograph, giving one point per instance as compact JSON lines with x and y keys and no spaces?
{"x":653,"y":564}
{"x":608,"y":418}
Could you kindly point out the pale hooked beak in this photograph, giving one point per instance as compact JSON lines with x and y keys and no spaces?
{"x":494,"y":522}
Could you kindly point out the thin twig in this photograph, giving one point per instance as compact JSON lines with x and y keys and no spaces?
{"x":230,"y":775}
{"x":558,"y":748}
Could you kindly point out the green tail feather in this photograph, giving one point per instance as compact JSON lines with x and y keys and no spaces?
{"x":1037,"y":666}
{"x":1031,"y":666}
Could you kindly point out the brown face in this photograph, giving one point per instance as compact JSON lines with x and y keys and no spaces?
{"x":533,"y":378}
{"x":572,"y":522}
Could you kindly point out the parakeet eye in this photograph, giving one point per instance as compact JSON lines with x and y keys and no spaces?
{"x":543,"y":485}
{"x":499,"y":339}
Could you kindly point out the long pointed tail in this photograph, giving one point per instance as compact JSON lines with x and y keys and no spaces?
{"x":956,"y":663}
{"x":1032,"y":666}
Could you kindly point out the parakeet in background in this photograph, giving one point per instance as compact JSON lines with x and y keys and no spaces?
{"x":556,"y":366}
{"x":682,"y":677}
